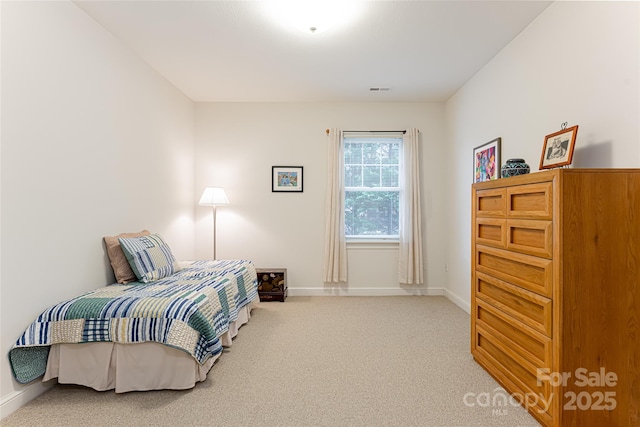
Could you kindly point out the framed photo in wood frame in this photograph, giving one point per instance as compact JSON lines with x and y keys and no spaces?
{"x":486,"y":161}
{"x":286,"y":179}
{"x":558,"y":148}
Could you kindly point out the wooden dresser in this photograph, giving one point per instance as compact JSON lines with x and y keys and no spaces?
{"x":555,"y":302}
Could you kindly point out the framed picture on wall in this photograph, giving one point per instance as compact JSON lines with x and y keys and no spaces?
{"x":486,"y":161}
{"x":558,"y":148}
{"x":286,"y":179}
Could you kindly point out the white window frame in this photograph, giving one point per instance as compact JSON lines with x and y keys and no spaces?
{"x":355,"y":241}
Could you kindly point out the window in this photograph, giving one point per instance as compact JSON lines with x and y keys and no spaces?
{"x":371,"y":181}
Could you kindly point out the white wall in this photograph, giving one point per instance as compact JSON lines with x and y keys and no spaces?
{"x":94,"y":143}
{"x":577,"y":62}
{"x":238,"y":143}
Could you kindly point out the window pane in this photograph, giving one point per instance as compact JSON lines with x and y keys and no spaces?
{"x":370,"y":154}
{"x":352,"y":153}
{"x":352,"y":176}
{"x":372,"y":213}
{"x":389,"y":176}
{"x":371,"y":175}
{"x":390,"y":153}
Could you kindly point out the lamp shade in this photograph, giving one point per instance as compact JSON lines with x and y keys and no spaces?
{"x":213,"y":196}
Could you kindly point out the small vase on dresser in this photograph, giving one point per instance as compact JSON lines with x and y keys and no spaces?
{"x":515,"y":167}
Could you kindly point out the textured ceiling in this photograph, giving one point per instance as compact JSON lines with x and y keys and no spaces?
{"x":219,"y":51}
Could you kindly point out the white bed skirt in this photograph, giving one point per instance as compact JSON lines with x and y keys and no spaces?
{"x":133,"y":367}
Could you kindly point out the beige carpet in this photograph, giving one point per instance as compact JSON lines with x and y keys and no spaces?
{"x":314,"y":361}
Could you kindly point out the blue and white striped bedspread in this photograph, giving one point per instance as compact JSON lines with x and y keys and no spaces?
{"x":189,"y":310}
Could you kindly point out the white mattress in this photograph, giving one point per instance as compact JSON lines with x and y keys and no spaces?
{"x":133,"y":367}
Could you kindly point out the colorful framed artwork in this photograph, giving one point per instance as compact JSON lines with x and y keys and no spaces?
{"x":286,"y":179}
{"x":558,"y":148}
{"x":486,"y":161}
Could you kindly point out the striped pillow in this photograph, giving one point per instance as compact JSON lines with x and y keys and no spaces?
{"x":150,"y":257}
{"x":121,"y":268}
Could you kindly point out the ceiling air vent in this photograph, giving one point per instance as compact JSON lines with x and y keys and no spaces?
{"x":379,"y":89}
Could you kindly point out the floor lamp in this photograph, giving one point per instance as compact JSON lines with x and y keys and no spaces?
{"x":214,"y":196}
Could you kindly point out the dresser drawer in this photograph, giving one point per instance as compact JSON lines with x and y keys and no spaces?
{"x":491,"y":203}
{"x":504,"y":363}
{"x":529,"y":272}
{"x":530,"y":308}
{"x":491,"y":231}
{"x":523,"y":340}
{"x":530,"y":237}
{"x":533,"y":201}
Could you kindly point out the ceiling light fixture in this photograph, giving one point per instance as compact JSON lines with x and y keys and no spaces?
{"x":312,"y":16}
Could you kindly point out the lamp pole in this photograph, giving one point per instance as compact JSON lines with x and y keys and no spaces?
{"x":214,"y":232}
{"x":214,"y":196}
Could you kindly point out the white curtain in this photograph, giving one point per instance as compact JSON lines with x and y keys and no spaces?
{"x":335,"y":248}
{"x":410,"y":266}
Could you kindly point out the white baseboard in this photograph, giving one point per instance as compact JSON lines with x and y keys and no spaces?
{"x":17,"y":399}
{"x":377,"y":292}
{"x":362,"y":292}
{"x":457,"y":301}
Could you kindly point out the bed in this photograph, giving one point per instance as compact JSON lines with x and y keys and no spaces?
{"x":163,"y":331}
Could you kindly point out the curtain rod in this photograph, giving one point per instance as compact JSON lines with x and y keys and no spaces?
{"x":371,"y":131}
